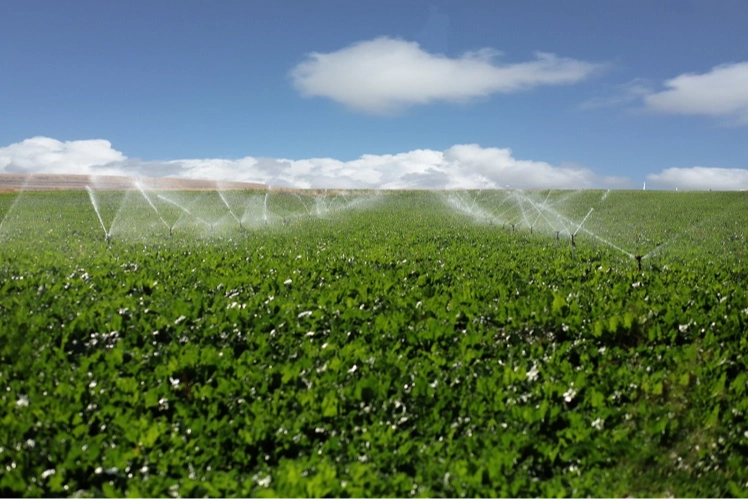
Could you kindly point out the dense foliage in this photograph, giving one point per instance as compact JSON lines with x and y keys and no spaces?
{"x":391,"y":345}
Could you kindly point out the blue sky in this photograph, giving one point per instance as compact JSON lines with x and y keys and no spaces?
{"x":365,"y":93}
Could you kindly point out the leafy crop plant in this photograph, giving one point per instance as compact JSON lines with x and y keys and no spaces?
{"x":373,"y":345}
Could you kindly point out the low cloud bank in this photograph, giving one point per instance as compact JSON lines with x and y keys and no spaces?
{"x":699,"y":178}
{"x":465,"y":166}
{"x":45,"y":155}
{"x":385,"y":75}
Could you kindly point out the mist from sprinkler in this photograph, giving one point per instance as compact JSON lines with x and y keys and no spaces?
{"x":164,"y":198}
{"x":223,"y":198}
{"x":148,"y":199}
{"x":305,"y":205}
{"x":15,"y":201}
{"x":564,"y":221}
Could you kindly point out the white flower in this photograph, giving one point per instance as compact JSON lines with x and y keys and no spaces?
{"x":287,"y":282}
{"x":48,"y":473}
{"x":570,"y":394}
{"x":265,"y":482}
{"x":353,"y":369}
{"x":598,"y":424}
{"x":306,"y":313}
{"x":532,"y":374}
{"x":23,"y":401}
{"x":174,"y":381}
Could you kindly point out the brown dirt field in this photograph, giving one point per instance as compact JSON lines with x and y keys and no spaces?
{"x":42,"y":182}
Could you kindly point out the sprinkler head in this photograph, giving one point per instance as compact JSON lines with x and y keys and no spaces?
{"x":639,"y":261}
{"x":557,"y":233}
{"x":573,"y":242}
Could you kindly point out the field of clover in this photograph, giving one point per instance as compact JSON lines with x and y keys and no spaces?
{"x":373,"y":344}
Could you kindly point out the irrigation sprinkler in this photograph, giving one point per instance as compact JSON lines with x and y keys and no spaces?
{"x":573,"y":245}
{"x":557,"y":235}
{"x":638,"y":259}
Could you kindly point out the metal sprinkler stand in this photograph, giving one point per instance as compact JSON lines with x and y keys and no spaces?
{"x":557,"y":233}
{"x":639,"y":261}
{"x":573,"y":246}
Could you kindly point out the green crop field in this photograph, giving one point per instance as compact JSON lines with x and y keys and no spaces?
{"x":374,"y":344}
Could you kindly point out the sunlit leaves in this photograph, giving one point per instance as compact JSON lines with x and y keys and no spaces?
{"x":402,"y":351}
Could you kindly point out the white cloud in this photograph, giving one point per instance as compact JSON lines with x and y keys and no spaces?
{"x":385,"y":75}
{"x":54,"y":156}
{"x":701,"y":178}
{"x":458,"y":167}
{"x":722,"y":92}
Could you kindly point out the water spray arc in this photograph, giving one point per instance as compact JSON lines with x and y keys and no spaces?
{"x":15,"y":202}
{"x":265,"y":208}
{"x":148,"y":199}
{"x":225,"y":201}
{"x":95,"y":204}
{"x":565,"y":222}
{"x":559,"y":223}
{"x":164,"y":198}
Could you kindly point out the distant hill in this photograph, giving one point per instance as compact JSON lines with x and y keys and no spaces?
{"x":51,"y":182}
